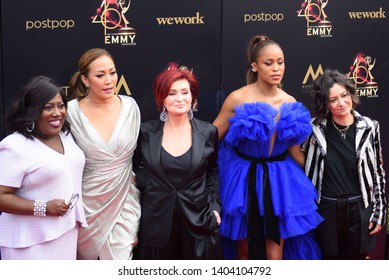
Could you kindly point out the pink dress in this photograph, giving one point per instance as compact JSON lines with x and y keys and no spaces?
{"x":38,"y":172}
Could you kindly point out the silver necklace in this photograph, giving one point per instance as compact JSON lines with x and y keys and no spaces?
{"x":343,"y":131}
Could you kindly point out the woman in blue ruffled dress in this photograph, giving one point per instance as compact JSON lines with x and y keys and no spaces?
{"x":268,"y":203}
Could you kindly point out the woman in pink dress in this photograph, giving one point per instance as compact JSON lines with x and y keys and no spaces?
{"x":40,"y":177}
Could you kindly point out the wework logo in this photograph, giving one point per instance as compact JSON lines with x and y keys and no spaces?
{"x":367,"y":15}
{"x":197,"y":19}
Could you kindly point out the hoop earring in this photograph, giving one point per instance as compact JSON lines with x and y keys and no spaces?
{"x":31,"y":127}
{"x":163,"y":115}
{"x":190,"y":114}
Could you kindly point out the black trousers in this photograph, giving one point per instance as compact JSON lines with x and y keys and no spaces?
{"x":183,"y":246}
{"x":344,"y":233}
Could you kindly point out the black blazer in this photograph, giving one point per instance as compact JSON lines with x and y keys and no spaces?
{"x":195,"y":200}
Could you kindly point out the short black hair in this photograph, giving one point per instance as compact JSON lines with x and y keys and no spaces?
{"x":321,"y":91}
{"x":29,"y":102}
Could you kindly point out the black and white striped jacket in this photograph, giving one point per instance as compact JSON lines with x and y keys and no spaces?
{"x":369,"y":159}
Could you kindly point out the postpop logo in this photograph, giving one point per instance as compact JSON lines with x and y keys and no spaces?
{"x":263,"y":17}
{"x":49,"y":24}
{"x":314,"y":13}
{"x":112,"y":16}
{"x":361,"y":73}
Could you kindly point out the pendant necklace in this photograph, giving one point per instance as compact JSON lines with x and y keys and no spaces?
{"x":343,"y":131}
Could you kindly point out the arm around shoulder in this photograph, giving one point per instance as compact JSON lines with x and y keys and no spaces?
{"x":222,"y":121}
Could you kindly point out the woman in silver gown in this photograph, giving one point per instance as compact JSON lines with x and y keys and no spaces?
{"x":106,"y":127}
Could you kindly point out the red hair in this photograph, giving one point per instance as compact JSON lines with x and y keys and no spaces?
{"x":164,"y":81}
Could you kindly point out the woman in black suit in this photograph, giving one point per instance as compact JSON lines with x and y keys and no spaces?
{"x":176,"y":171}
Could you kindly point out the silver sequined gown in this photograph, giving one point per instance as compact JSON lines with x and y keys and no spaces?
{"x":111,"y":201}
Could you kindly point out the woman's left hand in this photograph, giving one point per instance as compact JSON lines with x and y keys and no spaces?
{"x":57,"y":207}
{"x":376,"y":229}
{"x":218,"y":219}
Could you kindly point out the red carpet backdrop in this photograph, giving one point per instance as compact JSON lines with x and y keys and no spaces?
{"x":46,"y":37}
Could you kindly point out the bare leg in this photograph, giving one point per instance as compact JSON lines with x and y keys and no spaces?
{"x":242,"y":248}
{"x":273,"y":250}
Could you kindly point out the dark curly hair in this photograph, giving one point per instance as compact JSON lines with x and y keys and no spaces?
{"x":321,"y":91}
{"x":29,"y":103}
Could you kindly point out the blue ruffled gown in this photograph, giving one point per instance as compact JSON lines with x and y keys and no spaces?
{"x":292,"y":193}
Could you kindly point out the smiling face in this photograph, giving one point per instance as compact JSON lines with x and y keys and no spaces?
{"x":101,"y":78}
{"x":270,"y":65}
{"x":52,"y":118}
{"x":340,"y":102}
{"x":179,"y":100}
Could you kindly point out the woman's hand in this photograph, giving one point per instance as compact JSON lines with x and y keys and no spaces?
{"x":57,"y":207}
{"x":374,"y":228}
{"x":218,"y":219}
{"x":11,"y":203}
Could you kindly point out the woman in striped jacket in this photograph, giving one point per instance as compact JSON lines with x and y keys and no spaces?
{"x":344,"y":162}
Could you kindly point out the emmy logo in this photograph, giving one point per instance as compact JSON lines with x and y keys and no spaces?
{"x":111,"y":14}
{"x":313,"y":11}
{"x":361,"y":71}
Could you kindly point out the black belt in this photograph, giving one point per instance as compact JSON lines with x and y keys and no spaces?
{"x":257,"y":225}
{"x":345,"y":198}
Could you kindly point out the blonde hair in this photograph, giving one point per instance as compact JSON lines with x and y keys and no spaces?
{"x":77,"y":88}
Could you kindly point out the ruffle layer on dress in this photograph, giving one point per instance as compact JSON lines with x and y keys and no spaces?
{"x":293,"y":194}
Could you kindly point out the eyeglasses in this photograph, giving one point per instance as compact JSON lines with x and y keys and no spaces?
{"x":71,"y":202}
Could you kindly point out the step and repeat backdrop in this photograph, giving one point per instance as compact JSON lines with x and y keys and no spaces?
{"x":45,"y":37}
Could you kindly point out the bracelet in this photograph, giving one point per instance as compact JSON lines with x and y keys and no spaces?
{"x":40,"y":208}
